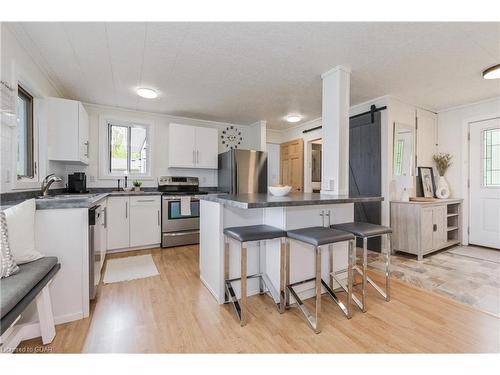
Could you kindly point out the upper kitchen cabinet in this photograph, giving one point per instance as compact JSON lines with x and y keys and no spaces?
{"x":68,"y":131}
{"x":192,"y":147}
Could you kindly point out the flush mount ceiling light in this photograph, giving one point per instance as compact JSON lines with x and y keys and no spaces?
{"x":492,"y":72}
{"x":293,"y":118}
{"x":147,"y":93}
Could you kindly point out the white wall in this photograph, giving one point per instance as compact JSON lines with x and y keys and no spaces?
{"x":18,"y":65}
{"x":251,"y":140}
{"x":452,"y":138}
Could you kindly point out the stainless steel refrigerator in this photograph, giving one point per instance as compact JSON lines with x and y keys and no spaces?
{"x":243,"y":171}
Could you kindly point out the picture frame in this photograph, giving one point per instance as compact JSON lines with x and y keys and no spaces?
{"x":427,"y":183}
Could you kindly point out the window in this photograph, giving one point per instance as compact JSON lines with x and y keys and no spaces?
{"x":491,"y":157}
{"x":25,"y":145}
{"x":128,"y":149}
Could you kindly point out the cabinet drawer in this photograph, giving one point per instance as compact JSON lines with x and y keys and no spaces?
{"x":145,"y":200}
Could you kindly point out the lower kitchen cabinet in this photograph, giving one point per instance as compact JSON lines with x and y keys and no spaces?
{"x":117,"y":222}
{"x":145,"y":223}
{"x":133,"y":221}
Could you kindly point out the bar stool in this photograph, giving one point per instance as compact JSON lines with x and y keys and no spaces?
{"x":244,"y":235}
{"x":366,"y":231}
{"x":318,"y":237}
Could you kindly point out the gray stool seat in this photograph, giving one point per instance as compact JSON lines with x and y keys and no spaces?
{"x":254,"y":233}
{"x":317,"y":236}
{"x":362,"y":230}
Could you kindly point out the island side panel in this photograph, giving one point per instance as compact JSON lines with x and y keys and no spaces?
{"x":302,"y":256}
{"x":211,"y":248}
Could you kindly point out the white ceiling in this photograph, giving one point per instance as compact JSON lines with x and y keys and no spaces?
{"x":245,"y":72}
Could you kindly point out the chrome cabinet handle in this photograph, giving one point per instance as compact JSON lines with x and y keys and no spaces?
{"x":105,"y":212}
{"x":329,"y":216}
{"x":197,"y":156}
{"x":87,"y":144}
{"x":146,"y":200}
{"x":322,"y":214}
{"x":158,"y":217}
{"x":126,"y":210}
{"x":194,"y":157}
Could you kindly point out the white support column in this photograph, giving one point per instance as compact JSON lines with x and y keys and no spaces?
{"x":262,"y":132}
{"x":335,"y":122}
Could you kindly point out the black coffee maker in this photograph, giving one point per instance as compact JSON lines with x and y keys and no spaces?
{"x":77,"y":183}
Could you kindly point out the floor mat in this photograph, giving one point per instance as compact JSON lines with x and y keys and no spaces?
{"x":129,"y":268}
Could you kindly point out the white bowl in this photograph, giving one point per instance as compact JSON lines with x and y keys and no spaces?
{"x":279,"y":191}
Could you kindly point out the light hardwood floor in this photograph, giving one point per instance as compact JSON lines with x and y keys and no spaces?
{"x":175,"y":313}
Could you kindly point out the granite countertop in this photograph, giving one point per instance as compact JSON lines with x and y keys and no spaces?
{"x":246,"y":201}
{"x":77,"y":200}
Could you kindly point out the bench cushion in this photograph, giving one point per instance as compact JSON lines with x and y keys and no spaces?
{"x":318,"y":236}
{"x":360,"y":229}
{"x":18,"y":290}
{"x":254,"y":233}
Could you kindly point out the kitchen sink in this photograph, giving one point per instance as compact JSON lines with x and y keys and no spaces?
{"x":68,"y":196}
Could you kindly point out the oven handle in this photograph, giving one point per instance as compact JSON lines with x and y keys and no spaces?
{"x":174,"y":234}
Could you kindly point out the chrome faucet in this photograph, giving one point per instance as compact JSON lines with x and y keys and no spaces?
{"x":47,"y":181}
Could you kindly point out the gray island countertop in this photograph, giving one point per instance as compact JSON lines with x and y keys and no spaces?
{"x":246,"y":201}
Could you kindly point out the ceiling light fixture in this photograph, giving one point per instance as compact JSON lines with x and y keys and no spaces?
{"x":147,"y":93}
{"x":492,"y":72}
{"x":293,"y":118}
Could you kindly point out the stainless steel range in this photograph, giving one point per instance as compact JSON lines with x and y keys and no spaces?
{"x":180,"y":218}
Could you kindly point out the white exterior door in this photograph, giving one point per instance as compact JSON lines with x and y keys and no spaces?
{"x":484,"y":174}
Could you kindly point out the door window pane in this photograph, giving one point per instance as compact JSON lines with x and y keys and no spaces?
{"x":25,"y":162}
{"x":491,"y":157}
{"x":118,"y":136}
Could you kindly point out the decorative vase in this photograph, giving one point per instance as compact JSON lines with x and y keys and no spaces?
{"x":137,"y":189}
{"x":442,"y":190}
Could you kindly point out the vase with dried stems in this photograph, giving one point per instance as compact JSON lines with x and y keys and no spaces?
{"x":443,"y":162}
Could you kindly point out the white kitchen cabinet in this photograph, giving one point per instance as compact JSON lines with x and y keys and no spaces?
{"x":68,"y":131}
{"x":117,"y":222}
{"x":145,"y":220}
{"x":192,"y":147}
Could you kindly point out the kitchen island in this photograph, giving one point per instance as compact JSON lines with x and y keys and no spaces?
{"x":296,"y":210}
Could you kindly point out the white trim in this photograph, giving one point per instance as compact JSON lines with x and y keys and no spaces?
{"x":27,"y":183}
{"x":335,"y":70}
{"x":469,"y":104}
{"x":103,"y":155}
{"x":164,"y":115}
{"x":466,"y":169}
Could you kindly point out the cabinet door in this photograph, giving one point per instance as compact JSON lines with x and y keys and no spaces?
{"x":83,"y":134}
{"x":181,"y":142}
{"x":207,"y":148}
{"x":62,"y":139}
{"x":440,"y":225}
{"x":118,"y":222}
{"x":145,"y":220}
{"x":426,"y":230}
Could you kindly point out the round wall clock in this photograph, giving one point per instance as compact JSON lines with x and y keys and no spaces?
{"x":231,"y":137}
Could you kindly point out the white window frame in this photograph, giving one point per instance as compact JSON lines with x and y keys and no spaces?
{"x":104,"y":155}
{"x":24,"y":183}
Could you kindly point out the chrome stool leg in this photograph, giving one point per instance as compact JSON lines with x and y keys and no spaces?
{"x":243,"y":281}
{"x":287,"y":273}
{"x":364,"y":265}
{"x":226,"y":268}
{"x":283,"y":282}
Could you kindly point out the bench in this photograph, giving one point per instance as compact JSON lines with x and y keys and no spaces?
{"x":18,"y":291}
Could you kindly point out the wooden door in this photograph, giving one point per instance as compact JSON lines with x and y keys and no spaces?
{"x":292,"y":164}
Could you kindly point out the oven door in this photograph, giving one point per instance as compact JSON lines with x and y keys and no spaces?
{"x":173,"y":221}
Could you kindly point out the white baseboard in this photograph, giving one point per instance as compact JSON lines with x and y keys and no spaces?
{"x":153,"y":246}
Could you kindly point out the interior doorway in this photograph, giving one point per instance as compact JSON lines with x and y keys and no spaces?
{"x":484,"y":183}
{"x":316,"y":150}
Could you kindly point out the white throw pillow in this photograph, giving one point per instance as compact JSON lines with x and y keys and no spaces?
{"x":21,"y":227}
